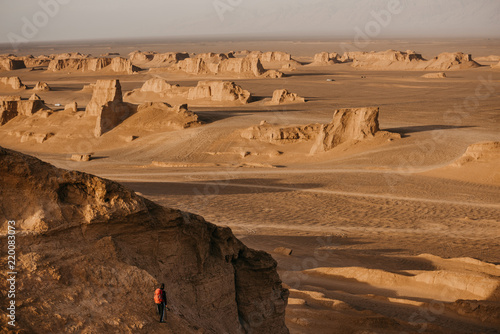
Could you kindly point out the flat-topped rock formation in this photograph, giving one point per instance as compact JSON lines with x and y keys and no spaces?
{"x":88,"y":243}
{"x":223,"y":91}
{"x":84,"y":64}
{"x":13,"y":106}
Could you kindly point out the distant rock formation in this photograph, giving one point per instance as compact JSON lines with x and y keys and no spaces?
{"x":42,"y":86}
{"x":496,"y":65}
{"x":157,"y":90}
{"x":11,"y":107}
{"x":488,"y":58}
{"x":158,"y":116}
{"x":91,"y":241}
{"x":271,"y":56}
{"x":10,"y":64}
{"x":83,"y":64}
{"x":451,"y":61}
{"x":282,"y":96}
{"x":221,"y":65}
{"x":409,"y":60}
{"x":348,"y":125}
{"x":219,"y":91}
{"x":34,"y":97}
{"x":107,"y":104}
{"x":157,"y":59}
{"x":325,"y":58}
{"x":439,"y":75}
{"x":12,"y":83}
{"x":353,"y":124}
{"x":275,"y":134}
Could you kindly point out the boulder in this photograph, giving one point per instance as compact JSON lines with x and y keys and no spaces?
{"x":348,"y":125}
{"x":92,"y":249}
{"x":41,"y":86}
{"x":12,"y":83}
{"x":282,"y":96}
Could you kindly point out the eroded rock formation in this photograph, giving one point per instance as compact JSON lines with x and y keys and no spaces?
{"x":12,"y":83}
{"x":219,"y":91}
{"x":282,"y":96}
{"x":92,"y":249}
{"x":117,"y":64}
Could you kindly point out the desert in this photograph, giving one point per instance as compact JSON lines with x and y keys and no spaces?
{"x":301,"y":186}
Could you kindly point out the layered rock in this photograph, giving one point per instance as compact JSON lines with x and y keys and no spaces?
{"x":117,"y":64}
{"x":219,"y":91}
{"x":12,"y":83}
{"x":282,"y":96}
{"x":107,"y":104}
{"x":87,"y":243}
{"x":42,"y":86}
{"x":353,"y":124}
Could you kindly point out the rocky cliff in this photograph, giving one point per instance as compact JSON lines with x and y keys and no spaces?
{"x":90,"y":254}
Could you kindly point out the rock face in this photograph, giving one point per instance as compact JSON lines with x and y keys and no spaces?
{"x":10,"y":108}
{"x":271,"y":56}
{"x":91,"y":249}
{"x":117,"y":64}
{"x":348,"y":125}
{"x":42,"y":86}
{"x":219,"y":91}
{"x":107,"y":104}
{"x":282,"y":96}
{"x":12,"y":83}
{"x":71,"y":107}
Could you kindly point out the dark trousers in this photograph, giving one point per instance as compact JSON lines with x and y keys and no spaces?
{"x":161,"y":311}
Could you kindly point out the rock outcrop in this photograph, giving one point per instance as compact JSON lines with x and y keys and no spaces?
{"x":275,"y":134}
{"x":282,"y":96}
{"x":107,"y":104}
{"x":71,"y":107}
{"x":35,"y":97}
{"x":158,"y":116}
{"x":325,"y":58}
{"x":219,"y":91}
{"x":11,"y":107}
{"x":440,"y":75}
{"x":348,"y":125}
{"x":117,"y":64}
{"x":409,"y":60}
{"x":222,"y":66}
{"x":485,"y":151}
{"x":42,"y":86}
{"x":158,"y":90}
{"x":10,"y":64}
{"x":91,"y":249}
{"x":11,"y":83}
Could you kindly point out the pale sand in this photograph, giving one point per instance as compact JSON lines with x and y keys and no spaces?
{"x":376,"y":205}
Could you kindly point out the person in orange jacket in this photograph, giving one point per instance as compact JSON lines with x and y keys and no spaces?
{"x":161,"y":301}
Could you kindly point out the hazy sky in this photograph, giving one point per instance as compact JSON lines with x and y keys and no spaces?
{"x":54,"y":20}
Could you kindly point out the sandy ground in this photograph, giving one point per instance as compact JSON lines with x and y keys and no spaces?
{"x":384,"y":234}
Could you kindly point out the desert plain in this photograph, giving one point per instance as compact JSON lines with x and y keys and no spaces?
{"x":393,"y":228}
